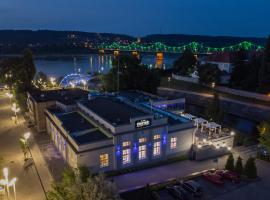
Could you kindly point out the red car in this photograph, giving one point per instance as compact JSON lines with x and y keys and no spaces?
{"x":214,"y":178}
{"x":229,"y":175}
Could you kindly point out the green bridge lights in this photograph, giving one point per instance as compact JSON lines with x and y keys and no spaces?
{"x":195,"y":47}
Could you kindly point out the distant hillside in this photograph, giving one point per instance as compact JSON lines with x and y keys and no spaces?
{"x":213,"y":41}
{"x":72,"y":42}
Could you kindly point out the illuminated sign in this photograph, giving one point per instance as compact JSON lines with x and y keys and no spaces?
{"x":143,"y":123}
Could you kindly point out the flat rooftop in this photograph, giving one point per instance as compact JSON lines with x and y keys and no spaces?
{"x":79,"y":128}
{"x":114,"y":111}
{"x":74,"y":122}
{"x":65,"y":96}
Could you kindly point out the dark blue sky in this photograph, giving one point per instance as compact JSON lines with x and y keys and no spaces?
{"x":140,"y":17}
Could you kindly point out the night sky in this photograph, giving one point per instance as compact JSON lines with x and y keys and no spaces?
{"x":140,"y":17}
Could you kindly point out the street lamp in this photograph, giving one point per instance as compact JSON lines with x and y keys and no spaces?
{"x":84,"y":84}
{"x":9,"y":95}
{"x":15,"y":109}
{"x":52,"y":80}
{"x":6,"y":183}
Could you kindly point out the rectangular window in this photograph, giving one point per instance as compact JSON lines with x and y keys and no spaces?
{"x":126,"y":156}
{"x":173,"y":142}
{"x":142,"y":140}
{"x":156,"y":136}
{"x":104,"y":160}
{"x":156,"y":149}
{"x":142,"y":152}
{"x":126,"y":143}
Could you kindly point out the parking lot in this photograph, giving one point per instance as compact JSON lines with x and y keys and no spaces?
{"x":210,"y":190}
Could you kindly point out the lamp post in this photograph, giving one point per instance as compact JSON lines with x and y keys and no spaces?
{"x":52,"y":80}
{"x":15,"y":109}
{"x":5,"y":173}
{"x":9,"y":95}
{"x":84,"y":84}
{"x":6,"y":183}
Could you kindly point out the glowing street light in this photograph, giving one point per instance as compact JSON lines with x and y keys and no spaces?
{"x":52,"y":80}
{"x":15,"y":109}
{"x":6,"y":183}
{"x":84,"y":83}
{"x":10,"y":96}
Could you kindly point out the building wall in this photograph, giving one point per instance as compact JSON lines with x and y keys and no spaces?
{"x":40,"y":114}
{"x":184,"y":141}
{"x":91,"y":159}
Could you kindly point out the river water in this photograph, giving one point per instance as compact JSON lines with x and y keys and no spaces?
{"x":59,"y":66}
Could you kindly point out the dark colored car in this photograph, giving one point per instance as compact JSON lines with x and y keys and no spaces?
{"x":193,"y":187}
{"x":178,"y":192}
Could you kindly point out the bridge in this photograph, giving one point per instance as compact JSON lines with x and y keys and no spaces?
{"x":158,"y":47}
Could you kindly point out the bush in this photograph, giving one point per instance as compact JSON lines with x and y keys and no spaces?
{"x":250,"y":168}
{"x":239,"y":165}
{"x":230,"y":163}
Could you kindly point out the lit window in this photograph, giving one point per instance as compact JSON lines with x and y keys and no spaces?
{"x":142,"y":140}
{"x":142,"y":152}
{"x":126,"y":156}
{"x":173,"y":142}
{"x":125,"y":144}
{"x":156,"y":149}
{"x":156,"y":136}
{"x":104,"y":160}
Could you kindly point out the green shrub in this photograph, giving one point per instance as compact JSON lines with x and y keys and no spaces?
{"x":250,"y":168}
{"x":230,"y":163}
{"x":239,"y":165}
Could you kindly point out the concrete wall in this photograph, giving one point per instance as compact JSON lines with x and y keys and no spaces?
{"x":184,"y":142}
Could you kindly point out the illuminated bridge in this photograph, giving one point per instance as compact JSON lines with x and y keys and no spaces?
{"x":195,"y":47}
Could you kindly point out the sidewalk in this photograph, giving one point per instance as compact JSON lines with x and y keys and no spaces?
{"x":28,"y":186}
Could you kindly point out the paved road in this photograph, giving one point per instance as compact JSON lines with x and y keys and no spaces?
{"x":28,"y":186}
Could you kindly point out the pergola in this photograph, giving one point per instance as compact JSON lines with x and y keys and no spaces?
{"x":200,"y":122}
{"x":213,"y":126}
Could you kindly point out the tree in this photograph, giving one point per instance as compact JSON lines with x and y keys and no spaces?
{"x":185,"y":64}
{"x":80,"y":184}
{"x":132,"y":75}
{"x":239,"y":165}
{"x":213,"y":111}
{"x":264,"y":131}
{"x":209,"y":73}
{"x":250,"y":168}
{"x":264,"y":73}
{"x":230,"y":163}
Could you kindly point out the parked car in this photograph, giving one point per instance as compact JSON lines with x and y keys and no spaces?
{"x":192,"y":187}
{"x":229,"y":175}
{"x":177,"y":192}
{"x":213,"y":178}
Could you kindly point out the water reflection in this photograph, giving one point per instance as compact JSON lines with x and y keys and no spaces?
{"x":93,"y":63}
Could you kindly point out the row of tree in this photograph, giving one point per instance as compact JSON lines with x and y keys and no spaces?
{"x":250,"y":169}
{"x":18,"y":73}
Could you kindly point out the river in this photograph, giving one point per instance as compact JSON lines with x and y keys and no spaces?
{"x":59,"y":66}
